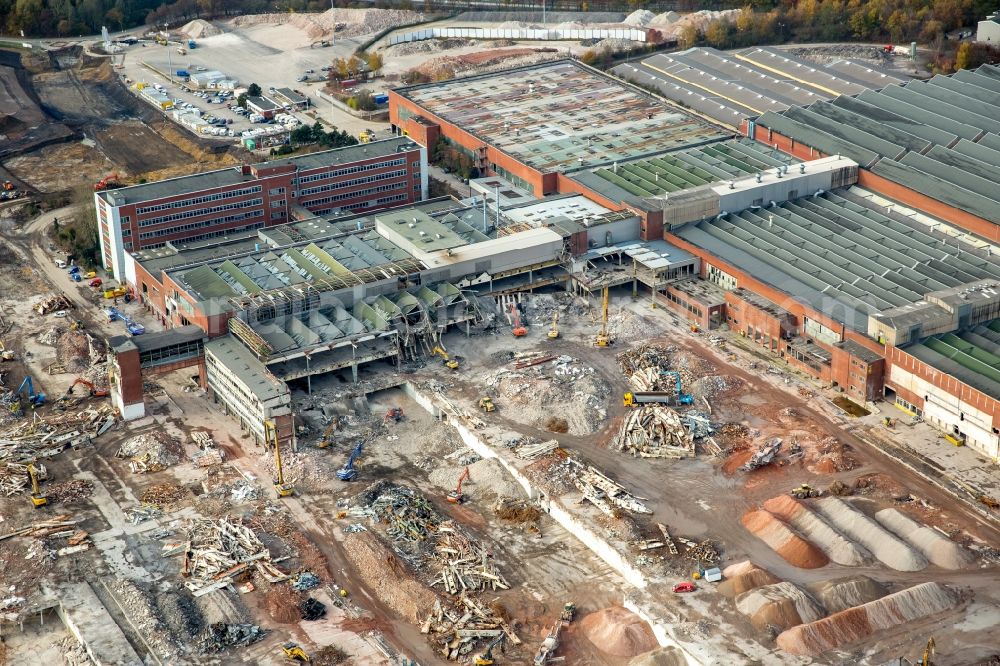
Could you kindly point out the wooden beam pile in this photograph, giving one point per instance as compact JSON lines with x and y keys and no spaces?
{"x":465,"y":564}
{"x":655,"y":431}
{"x":604,"y":493}
{"x":462,"y":624}
{"x":217,"y":551}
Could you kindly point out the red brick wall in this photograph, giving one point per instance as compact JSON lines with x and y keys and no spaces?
{"x":153,"y":295}
{"x":785,"y":144}
{"x":702,"y":318}
{"x":130,"y":375}
{"x":760,"y":326}
{"x":942,"y":380}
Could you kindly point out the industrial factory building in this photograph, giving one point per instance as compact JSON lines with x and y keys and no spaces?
{"x":213,"y":205}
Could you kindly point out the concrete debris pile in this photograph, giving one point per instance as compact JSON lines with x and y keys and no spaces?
{"x":536,"y":381}
{"x":409,"y":518}
{"x":607,"y":495}
{"x":217,"y":551}
{"x":221,"y":636}
{"x":52,"y":303}
{"x":78,"y":351}
{"x":97,"y":374}
{"x":144,"y":615}
{"x":698,"y":424}
{"x":26,"y":440}
{"x":704,"y":552}
{"x":208,"y":453}
{"x":516,"y":510}
{"x":533,"y":450}
{"x":343,"y":22}
{"x":912,"y":604}
{"x":14,"y":477}
{"x":763,"y":456}
{"x":715,"y":385}
{"x":50,"y":337}
{"x":151,"y":452}
{"x":65,"y":492}
{"x":244,"y":492}
{"x":162,"y":496}
{"x":654,"y":431}
{"x":306,"y":580}
{"x":459,"y":626}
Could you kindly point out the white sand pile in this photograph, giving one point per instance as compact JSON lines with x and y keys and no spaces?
{"x":937,"y":548}
{"x":664,"y":20}
{"x":618,"y":632}
{"x":801,"y":518}
{"x":199,"y":28}
{"x":796,"y":550}
{"x":665,"y":656}
{"x":854,"y":624}
{"x":744,"y":576}
{"x":355,"y":21}
{"x":517,"y":25}
{"x":843,"y":593}
{"x":487,"y":480}
{"x":639,"y":18}
{"x":781,"y":605}
{"x":888,"y":548}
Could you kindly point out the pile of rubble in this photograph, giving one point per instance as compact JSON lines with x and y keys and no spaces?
{"x":465,"y":564}
{"x":41,"y":437}
{"x":655,"y":431}
{"x":218,"y":551}
{"x":208,"y":453}
{"x":65,"y":492}
{"x":162,"y":496}
{"x":459,"y":626}
{"x":221,"y":636}
{"x":151,"y":452}
{"x":763,"y":456}
{"x":607,"y":495}
{"x":52,"y":303}
{"x":14,"y":477}
{"x":642,"y":357}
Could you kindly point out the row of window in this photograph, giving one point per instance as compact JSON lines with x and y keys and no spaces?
{"x":354,"y":169}
{"x":249,"y":203}
{"x":385,"y":200}
{"x":351,"y":195}
{"x":351,"y":183}
{"x":255,"y":189}
{"x":203,"y":223}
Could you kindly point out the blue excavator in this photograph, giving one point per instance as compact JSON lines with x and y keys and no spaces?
{"x":348,"y":472}
{"x":33,"y":399}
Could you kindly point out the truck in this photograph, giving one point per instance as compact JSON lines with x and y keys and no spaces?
{"x":182,"y":73}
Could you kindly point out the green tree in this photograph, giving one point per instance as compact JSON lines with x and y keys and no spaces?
{"x":253,"y":90}
{"x":689,"y":36}
{"x":242,"y":100}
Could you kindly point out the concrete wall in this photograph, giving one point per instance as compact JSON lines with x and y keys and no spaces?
{"x":522,"y":34}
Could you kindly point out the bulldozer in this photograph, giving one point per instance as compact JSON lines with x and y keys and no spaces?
{"x":805,"y":492}
{"x":486,"y":404}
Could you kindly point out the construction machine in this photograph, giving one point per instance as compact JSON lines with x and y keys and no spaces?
{"x":805,"y":491}
{"x":281,"y":487}
{"x":94,"y":391}
{"x":603,"y":338}
{"x":325,"y":442}
{"x":519,"y":330}
{"x":116,"y":292}
{"x":456,"y":496}
{"x":568,"y":612}
{"x":77,"y":325}
{"x":554,"y":330}
{"x":394,"y":414}
{"x":486,"y":404}
{"x":37,"y":498}
{"x":486,"y":658}
{"x":348,"y":472}
{"x":448,"y":361}
{"x":928,"y":653}
{"x":34,"y":399}
{"x":682,"y":397}
{"x":109,"y":182}
{"x":7,"y":185}
{"x":293,"y":652}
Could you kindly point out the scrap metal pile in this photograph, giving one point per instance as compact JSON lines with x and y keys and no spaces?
{"x":221,"y":636}
{"x":655,"y":431}
{"x":219,"y":550}
{"x":42,"y":437}
{"x":645,"y":356}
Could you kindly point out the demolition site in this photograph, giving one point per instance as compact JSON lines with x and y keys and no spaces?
{"x":595,"y":413}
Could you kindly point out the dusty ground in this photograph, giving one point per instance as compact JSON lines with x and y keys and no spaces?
{"x":82,"y":95}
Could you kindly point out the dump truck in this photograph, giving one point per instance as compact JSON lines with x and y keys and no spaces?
{"x":116,"y":292}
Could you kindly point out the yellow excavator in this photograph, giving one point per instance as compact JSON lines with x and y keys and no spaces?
{"x":486,"y":658}
{"x":928,"y":653}
{"x":448,"y":361}
{"x":37,"y":498}
{"x":554,"y":331}
{"x":325,"y":442}
{"x":603,"y":339}
{"x":294,"y":652}
{"x":282,"y":488}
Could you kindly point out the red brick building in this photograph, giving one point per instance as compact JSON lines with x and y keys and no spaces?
{"x":239,"y":199}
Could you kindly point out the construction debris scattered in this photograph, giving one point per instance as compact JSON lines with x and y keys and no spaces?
{"x":217,"y":551}
{"x":655,"y":431}
{"x":763,"y":456}
{"x":220,"y":636}
{"x":151,"y":452}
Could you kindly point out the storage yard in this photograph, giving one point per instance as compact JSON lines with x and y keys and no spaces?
{"x":654,"y":393}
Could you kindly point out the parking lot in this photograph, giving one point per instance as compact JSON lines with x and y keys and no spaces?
{"x":242,"y":58}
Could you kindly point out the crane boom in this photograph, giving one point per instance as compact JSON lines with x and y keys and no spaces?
{"x":603,"y":339}
{"x":282,"y":488}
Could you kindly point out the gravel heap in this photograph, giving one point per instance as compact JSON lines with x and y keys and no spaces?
{"x":157,"y":450}
{"x":937,"y":548}
{"x":888,"y":548}
{"x":618,"y":632}
{"x":838,"y":549}
{"x":793,"y":548}
{"x":843,"y":593}
{"x":781,"y":605}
